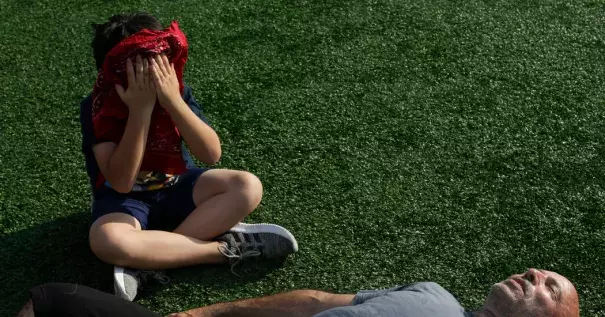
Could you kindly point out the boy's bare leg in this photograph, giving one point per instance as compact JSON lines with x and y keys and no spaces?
{"x":304,"y":303}
{"x":117,"y":238}
{"x":223,"y":198}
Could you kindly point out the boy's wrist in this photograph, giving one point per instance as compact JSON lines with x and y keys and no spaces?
{"x":142,"y":113}
{"x":177,"y":104}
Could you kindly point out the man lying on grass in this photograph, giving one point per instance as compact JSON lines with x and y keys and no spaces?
{"x":536,"y":293}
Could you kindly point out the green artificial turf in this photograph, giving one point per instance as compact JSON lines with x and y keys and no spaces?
{"x":400,"y":141}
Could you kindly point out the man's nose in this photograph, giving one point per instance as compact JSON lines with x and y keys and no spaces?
{"x":534,"y":276}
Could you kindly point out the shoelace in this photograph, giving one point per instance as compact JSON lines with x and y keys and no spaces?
{"x":237,"y":255}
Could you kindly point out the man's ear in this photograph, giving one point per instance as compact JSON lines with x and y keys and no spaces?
{"x":27,"y":310}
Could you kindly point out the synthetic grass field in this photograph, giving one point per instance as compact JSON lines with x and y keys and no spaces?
{"x":400,"y":141}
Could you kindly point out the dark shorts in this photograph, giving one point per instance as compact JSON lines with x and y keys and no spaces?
{"x":58,"y":299}
{"x":162,"y":209}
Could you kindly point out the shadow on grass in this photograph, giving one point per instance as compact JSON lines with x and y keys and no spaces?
{"x":218,"y":277}
{"x":55,"y":251}
{"x":221,"y":277}
{"x":58,"y":251}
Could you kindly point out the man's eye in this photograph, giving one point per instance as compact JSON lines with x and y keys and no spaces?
{"x":553,"y":293}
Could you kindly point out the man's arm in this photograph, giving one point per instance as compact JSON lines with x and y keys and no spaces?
{"x":305,"y":303}
{"x":201,"y":138}
{"x":120,"y":163}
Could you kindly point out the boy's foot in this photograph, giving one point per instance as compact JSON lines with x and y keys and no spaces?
{"x":247,"y":241}
{"x":126,"y":282}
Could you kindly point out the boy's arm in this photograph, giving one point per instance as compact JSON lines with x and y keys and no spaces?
{"x":203,"y":141}
{"x":295,"y":304}
{"x":120,"y":163}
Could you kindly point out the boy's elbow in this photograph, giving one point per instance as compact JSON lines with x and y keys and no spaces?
{"x":213,"y":157}
{"x":215,"y":151}
{"x":209,"y":155}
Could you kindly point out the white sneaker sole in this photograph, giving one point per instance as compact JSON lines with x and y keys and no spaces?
{"x":118,"y":283}
{"x":265,"y":228}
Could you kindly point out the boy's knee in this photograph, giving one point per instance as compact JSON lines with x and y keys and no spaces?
{"x":110,"y":246}
{"x":249,"y":184}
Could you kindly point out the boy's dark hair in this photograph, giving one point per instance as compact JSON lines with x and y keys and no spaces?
{"x":109,"y":34}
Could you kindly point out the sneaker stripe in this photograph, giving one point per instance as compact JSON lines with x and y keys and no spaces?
{"x":238,"y":238}
{"x":258,"y":240}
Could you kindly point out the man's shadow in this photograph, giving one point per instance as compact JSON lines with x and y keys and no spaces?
{"x":58,"y":251}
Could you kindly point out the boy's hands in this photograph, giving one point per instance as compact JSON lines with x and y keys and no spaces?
{"x":201,"y":139}
{"x":141,"y":92}
{"x":166,"y":82}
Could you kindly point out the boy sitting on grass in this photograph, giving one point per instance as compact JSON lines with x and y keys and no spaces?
{"x":152,"y":208}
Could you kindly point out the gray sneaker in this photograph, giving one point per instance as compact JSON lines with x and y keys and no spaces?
{"x":247,"y":241}
{"x":126,"y":282}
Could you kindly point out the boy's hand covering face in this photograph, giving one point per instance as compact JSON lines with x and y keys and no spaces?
{"x":141,"y":92}
{"x":166,"y":81}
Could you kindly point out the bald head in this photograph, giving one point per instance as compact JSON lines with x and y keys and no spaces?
{"x":570,"y":304}
{"x":535,"y":293}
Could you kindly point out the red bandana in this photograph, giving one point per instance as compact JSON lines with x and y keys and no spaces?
{"x":163,"y":152}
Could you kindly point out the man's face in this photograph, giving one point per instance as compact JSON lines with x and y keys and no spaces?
{"x":536,"y":293}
